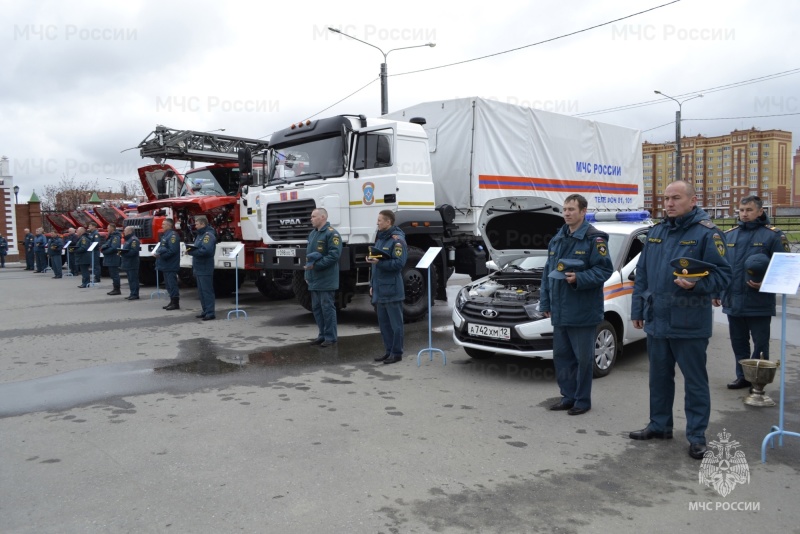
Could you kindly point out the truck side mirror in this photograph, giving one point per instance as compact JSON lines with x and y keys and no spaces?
{"x":245,"y":161}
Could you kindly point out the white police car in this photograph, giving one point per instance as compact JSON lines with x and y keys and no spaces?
{"x":498,"y":314}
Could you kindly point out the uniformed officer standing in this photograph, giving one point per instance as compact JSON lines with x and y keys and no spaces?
{"x":3,"y":251}
{"x":95,"y":237}
{"x":40,"y":250}
{"x":676,"y":313}
{"x":749,"y":311}
{"x":130,"y":262}
{"x":322,"y":276}
{"x":202,"y":254}
{"x":111,"y":257}
{"x":573,"y":299}
{"x":83,"y":258}
{"x":54,"y":246}
{"x":386,"y":285}
{"x":28,"y":247}
{"x":168,"y":261}
{"x":71,"y":239}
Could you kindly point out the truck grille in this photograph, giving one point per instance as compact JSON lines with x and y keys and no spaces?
{"x":290,"y":220}
{"x":142,"y":228}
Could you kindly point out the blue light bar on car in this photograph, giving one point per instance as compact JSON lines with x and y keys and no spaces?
{"x":618,"y":216}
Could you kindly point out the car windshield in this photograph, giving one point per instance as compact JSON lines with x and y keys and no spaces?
{"x":219,"y":181}
{"x":315,"y":159}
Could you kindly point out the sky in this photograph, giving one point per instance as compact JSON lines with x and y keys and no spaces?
{"x":83,"y":81}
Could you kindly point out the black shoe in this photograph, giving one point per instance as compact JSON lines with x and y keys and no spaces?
{"x":577,"y":411}
{"x":697,"y":450}
{"x":326,"y":344}
{"x":82,"y":286}
{"x":135,"y":297}
{"x":200,"y":316}
{"x":56,"y":277}
{"x":739,"y":383}
{"x":557,"y":407}
{"x":381,"y":358}
{"x":209,"y":318}
{"x":318,"y":341}
{"x":647,"y":433}
{"x":392,"y":359}
{"x":174,"y":304}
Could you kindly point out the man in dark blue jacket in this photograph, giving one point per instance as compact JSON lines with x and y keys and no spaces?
{"x":54,"y":246}
{"x":40,"y":249}
{"x":572,"y":297}
{"x":111,"y":257}
{"x":130,"y":262}
{"x":676,"y":313}
{"x":202,"y":253}
{"x":322,"y":276}
{"x":168,"y":261}
{"x":386,"y":285}
{"x":3,"y":251}
{"x":83,"y":258}
{"x":28,"y":247}
{"x":749,"y":311}
{"x":95,"y":237}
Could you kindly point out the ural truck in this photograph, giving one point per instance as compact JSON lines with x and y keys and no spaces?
{"x":213,"y":191}
{"x":436,"y":165}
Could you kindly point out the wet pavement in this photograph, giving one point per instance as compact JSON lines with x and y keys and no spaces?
{"x":118,"y":416}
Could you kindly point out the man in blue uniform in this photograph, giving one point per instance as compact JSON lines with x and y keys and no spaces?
{"x":749,"y":311}
{"x":40,"y":250}
{"x":27,"y":245}
{"x":386,"y":285}
{"x":202,"y":253}
{"x":54,"y":246}
{"x":572,"y":297}
{"x":322,"y":276}
{"x":94,"y":236}
{"x":676,"y":313}
{"x":130,"y":262}
{"x":111,"y":257}
{"x":3,"y":251}
{"x":168,"y":261}
{"x":83,"y":258}
{"x":71,"y":238}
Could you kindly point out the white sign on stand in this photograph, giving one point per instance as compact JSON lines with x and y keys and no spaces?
{"x":153,"y":252}
{"x":783,"y":274}
{"x":92,"y":247}
{"x":428,"y":258}
{"x":235,"y":252}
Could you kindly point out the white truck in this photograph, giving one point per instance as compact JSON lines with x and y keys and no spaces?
{"x":436,"y":165}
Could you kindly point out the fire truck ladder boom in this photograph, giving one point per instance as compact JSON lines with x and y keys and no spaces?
{"x":187,"y":145}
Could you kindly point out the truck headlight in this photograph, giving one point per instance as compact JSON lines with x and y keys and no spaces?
{"x":462,"y":298}
{"x":533,"y":311}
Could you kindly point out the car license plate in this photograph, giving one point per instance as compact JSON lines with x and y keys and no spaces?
{"x":496,"y":332}
{"x":286,"y":252}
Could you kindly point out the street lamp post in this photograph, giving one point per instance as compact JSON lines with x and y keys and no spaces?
{"x":679,"y":168}
{"x":16,"y":194}
{"x":384,"y":71}
{"x":124,"y":185}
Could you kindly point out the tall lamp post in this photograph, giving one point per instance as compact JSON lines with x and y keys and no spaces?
{"x":16,"y":194}
{"x":124,"y":185}
{"x":679,"y":168}
{"x":384,"y":74}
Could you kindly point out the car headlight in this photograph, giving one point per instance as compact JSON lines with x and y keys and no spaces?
{"x":533,"y":311}
{"x":462,"y":298}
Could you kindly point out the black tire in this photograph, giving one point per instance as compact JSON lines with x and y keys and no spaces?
{"x":606,"y":349}
{"x":225,"y":282}
{"x":415,"y":305}
{"x":276,"y":285}
{"x":300,"y":289}
{"x":477,"y":353}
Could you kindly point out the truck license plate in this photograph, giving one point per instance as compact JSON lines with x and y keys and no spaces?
{"x":496,"y":332}
{"x":286,"y":252}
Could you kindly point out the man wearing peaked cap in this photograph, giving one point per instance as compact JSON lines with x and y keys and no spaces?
{"x":572,"y":297}
{"x":749,"y":311}
{"x":564,"y":266}
{"x":675,"y":310}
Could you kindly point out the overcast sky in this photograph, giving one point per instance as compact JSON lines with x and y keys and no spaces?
{"x":83,"y":81}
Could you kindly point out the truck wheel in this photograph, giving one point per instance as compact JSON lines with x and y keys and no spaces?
{"x":477,"y":353}
{"x":415,"y":305}
{"x":225,"y":282}
{"x":605,"y":349}
{"x":276,"y":285}
{"x":300,"y":288}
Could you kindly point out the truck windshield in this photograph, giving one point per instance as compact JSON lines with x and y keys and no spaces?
{"x":220,"y":181}
{"x":314,"y":159}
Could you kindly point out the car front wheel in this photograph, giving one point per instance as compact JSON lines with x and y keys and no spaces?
{"x":605,"y":349}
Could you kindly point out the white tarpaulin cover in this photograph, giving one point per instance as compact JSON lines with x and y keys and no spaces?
{"x":483,"y":149}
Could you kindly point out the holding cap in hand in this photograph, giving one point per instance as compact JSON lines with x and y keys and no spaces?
{"x":565,"y":266}
{"x":691,"y":268}
{"x":755,"y":267}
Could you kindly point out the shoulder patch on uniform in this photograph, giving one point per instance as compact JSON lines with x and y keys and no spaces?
{"x":774,"y":228}
{"x":173,"y":239}
{"x":336,"y":240}
{"x":398,"y":250}
{"x":785,"y":243}
{"x":708,"y":224}
{"x":719,"y":244}
{"x":207,"y":238}
{"x":600,"y":244}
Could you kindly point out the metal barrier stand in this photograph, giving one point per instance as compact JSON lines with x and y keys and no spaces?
{"x":236,"y":311}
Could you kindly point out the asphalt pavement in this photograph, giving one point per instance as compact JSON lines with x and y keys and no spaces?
{"x":119,"y":416}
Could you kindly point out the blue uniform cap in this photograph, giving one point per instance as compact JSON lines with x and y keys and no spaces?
{"x":565,"y":266}
{"x":755,"y":267}
{"x":691,"y":268}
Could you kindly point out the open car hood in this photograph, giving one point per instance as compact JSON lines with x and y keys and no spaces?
{"x":149,"y":176}
{"x":61,"y":222}
{"x":193,"y":204}
{"x":519,"y":227}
